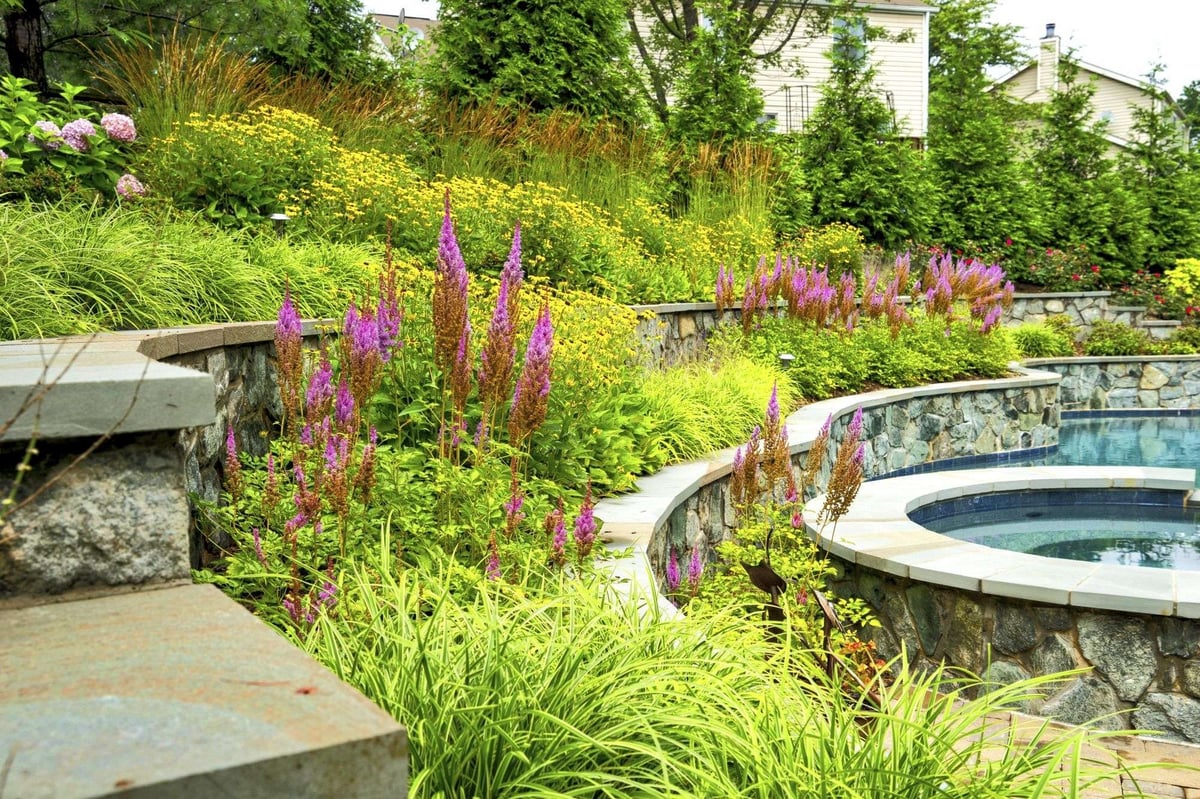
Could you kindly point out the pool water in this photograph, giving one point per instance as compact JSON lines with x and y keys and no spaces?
{"x":1157,"y":536}
{"x":1167,"y":441}
{"x":1113,"y":526}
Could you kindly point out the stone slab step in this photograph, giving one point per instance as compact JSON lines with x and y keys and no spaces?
{"x":180,"y":692}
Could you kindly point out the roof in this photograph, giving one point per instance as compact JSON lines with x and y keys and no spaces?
{"x":1086,"y":66}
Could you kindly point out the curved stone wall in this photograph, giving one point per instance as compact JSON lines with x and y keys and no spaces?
{"x":1127,"y":382}
{"x":1009,"y":615}
{"x":676,"y":332}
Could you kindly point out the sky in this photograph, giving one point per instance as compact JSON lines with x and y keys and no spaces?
{"x":1119,"y":36}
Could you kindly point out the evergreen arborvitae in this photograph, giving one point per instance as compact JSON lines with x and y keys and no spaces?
{"x":1162,"y":173}
{"x":982,"y":183}
{"x":856,"y":165}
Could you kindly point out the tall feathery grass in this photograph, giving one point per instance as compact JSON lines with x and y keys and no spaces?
{"x":569,"y":693}
{"x":179,"y":76}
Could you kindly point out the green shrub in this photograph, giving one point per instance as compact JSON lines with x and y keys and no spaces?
{"x":825,"y":362}
{"x":40,"y":163}
{"x":1184,"y":341}
{"x":1036,"y":340}
{"x":837,"y":246}
{"x":1115,"y":338}
{"x":1182,"y":285}
{"x":237,"y":169}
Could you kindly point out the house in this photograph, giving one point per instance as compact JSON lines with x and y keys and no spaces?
{"x":1114,"y":101}
{"x":901,"y":63}
{"x":401,"y":29}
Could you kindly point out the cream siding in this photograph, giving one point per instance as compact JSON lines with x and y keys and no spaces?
{"x":901,"y":74}
{"x":1115,"y":99}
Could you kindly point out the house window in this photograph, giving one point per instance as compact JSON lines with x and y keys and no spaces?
{"x":1106,"y":116}
{"x":850,"y":38}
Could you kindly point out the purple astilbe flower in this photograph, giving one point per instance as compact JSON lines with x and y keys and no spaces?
{"x":860,"y":455}
{"x":51,"y":138}
{"x":3,"y":156}
{"x":118,"y":127}
{"x":449,"y":294}
{"x":327,"y":596}
{"x":513,"y":276}
{"x":528,"y":409}
{"x":499,"y":353}
{"x":673,"y":573}
{"x":724,"y":293}
{"x":258,"y":548}
{"x":992,"y":319}
{"x":306,"y":435}
{"x":512,"y":508}
{"x":776,"y":459}
{"x":854,"y":429}
{"x":320,"y":390}
{"x":270,"y":498}
{"x":360,"y":349}
{"x":343,"y":408}
{"x":76,"y":132}
{"x":556,"y":526}
{"x":695,"y":571}
{"x":337,"y":453}
{"x":233,"y":467}
{"x":291,"y":606}
{"x":585,"y":525}
{"x":129,"y":187}
{"x":290,"y":363}
{"x":389,"y":314}
{"x":364,"y":479}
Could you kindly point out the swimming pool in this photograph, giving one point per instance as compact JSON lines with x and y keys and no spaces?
{"x":1123,"y":527}
{"x":1128,"y":440}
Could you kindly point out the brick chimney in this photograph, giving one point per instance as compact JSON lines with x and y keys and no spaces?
{"x":1047,"y":65}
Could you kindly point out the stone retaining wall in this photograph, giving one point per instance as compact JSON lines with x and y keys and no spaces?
{"x":677,"y":332}
{"x":898,"y":434}
{"x":1145,"y":670}
{"x":247,"y":393}
{"x":1157,"y":381}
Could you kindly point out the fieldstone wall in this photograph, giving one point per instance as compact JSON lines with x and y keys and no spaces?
{"x":1083,"y":308}
{"x":76,"y":534}
{"x":1159,"y":381}
{"x":1145,"y":670}
{"x":901,"y":434}
{"x":247,"y":393}
{"x":677,"y":332}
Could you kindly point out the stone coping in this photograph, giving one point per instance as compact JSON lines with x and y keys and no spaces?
{"x":180,"y":692}
{"x":1086,"y":359}
{"x":682,"y":307}
{"x":631,"y":519}
{"x":877,"y":534}
{"x":115,"y":382}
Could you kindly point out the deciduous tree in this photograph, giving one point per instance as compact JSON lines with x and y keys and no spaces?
{"x":540,"y":54}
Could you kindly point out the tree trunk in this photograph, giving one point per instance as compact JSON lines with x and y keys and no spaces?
{"x":24,"y":44}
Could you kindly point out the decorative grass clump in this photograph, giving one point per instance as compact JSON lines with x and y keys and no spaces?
{"x":560,"y":690}
{"x":707,"y":406}
{"x":67,"y":269}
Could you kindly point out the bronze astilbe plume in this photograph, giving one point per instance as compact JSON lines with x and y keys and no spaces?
{"x":847,"y":473}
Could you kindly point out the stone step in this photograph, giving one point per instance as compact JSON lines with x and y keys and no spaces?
{"x":180,"y":692}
